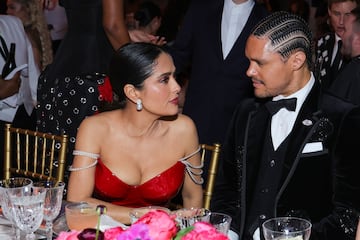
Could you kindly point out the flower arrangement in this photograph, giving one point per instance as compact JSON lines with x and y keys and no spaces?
{"x":154,"y":225}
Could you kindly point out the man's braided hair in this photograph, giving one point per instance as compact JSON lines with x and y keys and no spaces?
{"x":287,"y":33}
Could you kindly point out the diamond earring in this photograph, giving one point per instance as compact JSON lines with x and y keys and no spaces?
{"x":139,"y":105}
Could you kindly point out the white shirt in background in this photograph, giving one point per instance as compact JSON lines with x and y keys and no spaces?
{"x":234,"y":18}
{"x":12,"y":30}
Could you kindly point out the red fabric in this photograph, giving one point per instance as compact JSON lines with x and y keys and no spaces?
{"x":155,"y":192}
{"x":105,"y":90}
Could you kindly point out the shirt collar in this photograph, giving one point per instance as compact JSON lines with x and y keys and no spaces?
{"x":300,"y":94}
{"x":229,"y":4}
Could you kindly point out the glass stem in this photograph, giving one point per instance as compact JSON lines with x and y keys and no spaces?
{"x":49,"y":231}
{"x":30,"y":236}
{"x":16,"y":231}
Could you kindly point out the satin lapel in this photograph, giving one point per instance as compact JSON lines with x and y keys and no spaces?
{"x":258,"y":124}
{"x":217,"y":29}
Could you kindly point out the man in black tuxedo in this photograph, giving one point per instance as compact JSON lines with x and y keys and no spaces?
{"x":280,"y":156}
{"x":347,"y":83}
{"x":329,"y":60}
{"x":212,"y":39}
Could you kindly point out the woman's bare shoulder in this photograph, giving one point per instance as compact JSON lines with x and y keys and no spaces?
{"x":100,"y":121}
{"x":183,"y":125}
{"x":185,"y":120}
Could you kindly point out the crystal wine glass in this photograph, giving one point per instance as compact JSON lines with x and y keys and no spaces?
{"x":28,"y":209}
{"x":13,"y":186}
{"x":186,"y":217}
{"x":52,"y":203}
{"x":289,"y":228}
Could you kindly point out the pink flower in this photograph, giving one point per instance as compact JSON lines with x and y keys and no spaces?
{"x":204,"y":231}
{"x":68,"y":235}
{"x":161,"y":225}
{"x":136,"y":231}
{"x":154,"y":225}
{"x":112,"y":233}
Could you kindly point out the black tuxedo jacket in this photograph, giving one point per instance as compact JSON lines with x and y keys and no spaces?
{"x":307,"y":183}
{"x":324,"y":49}
{"x":216,"y":85}
{"x":347,"y":83}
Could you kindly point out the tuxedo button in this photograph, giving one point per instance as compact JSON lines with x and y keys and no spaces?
{"x":262,"y":216}
{"x":264,"y":190}
{"x":272,"y":163}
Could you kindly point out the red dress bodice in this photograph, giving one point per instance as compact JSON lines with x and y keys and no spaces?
{"x":154,"y":192}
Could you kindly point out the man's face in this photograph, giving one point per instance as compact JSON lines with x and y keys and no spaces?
{"x":338,"y":14}
{"x":348,"y":37}
{"x":270,"y":74}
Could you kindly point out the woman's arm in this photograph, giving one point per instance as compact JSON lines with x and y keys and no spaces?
{"x":192,"y":192}
{"x":116,"y":30}
{"x":114,"y":23}
{"x":81,"y":182}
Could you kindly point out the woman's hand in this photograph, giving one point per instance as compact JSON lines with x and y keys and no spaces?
{"x":141,"y":36}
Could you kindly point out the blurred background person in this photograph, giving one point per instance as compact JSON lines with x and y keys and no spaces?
{"x":328,"y":58}
{"x":148,"y":17}
{"x":347,"y":83}
{"x":32,"y":16}
{"x":300,"y":8}
{"x":55,"y":16}
{"x":17,"y":91}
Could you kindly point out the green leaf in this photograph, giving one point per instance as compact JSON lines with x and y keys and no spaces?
{"x":183,"y":232}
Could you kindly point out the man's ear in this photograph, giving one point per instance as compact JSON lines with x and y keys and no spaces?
{"x":130,"y":92}
{"x":298,"y":59}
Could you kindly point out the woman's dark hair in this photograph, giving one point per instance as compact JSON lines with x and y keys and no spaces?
{"x":146,"y":13}
{"x":131,"y":64}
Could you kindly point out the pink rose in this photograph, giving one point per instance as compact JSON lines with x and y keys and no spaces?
{"x":112,"y":233}
{"x":68,"y":235}
{"x":161,"y":225}
{"x":136,"y":231}
{"x":204,"y":231}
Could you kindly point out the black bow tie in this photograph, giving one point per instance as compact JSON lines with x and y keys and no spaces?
{"x":274,"y":106}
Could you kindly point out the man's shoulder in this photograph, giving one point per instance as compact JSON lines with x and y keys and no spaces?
{"x":334,"y":104}
{"x":248,"y":105}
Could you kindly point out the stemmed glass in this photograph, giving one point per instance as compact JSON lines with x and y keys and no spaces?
{"x":12,"y":186}
{"x":52,"y":203}
{"x":289,"y":228}
{"x":28,"y":209}
{"x":186,"y":217}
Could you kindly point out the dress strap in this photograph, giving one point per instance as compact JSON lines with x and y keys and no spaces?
{"x":190,"y":168}
{"x":86,"y":154}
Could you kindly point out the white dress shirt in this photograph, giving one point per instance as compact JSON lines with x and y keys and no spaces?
{"x":283,"y":121}
{"x":335,"y":48}
{"x":234,"y":18}
{"x":12,"y":30}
